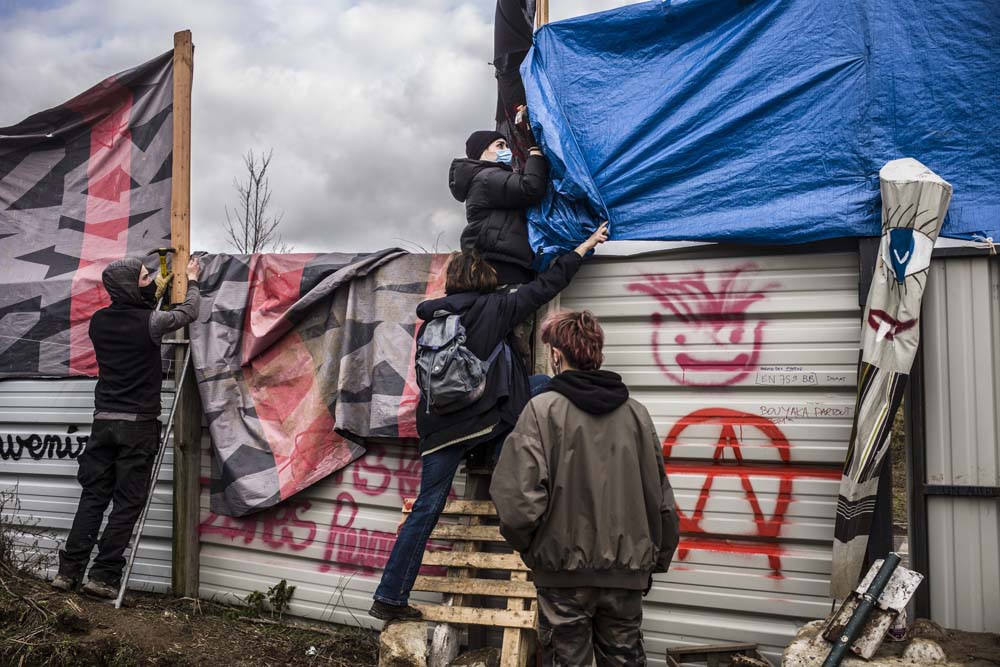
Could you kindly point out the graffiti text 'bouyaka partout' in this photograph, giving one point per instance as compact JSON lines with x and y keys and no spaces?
{"x":715,"y":341}
{"x":734,"y":427}
{"x":37,"y":447}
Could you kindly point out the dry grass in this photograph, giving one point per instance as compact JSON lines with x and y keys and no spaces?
{"x":41,"y":627}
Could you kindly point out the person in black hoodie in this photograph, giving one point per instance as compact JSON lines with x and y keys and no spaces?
{"x":489,"y":317}
{"x":582,"y":494}
{"x":496,"y":201}
{"x":118,"y":459}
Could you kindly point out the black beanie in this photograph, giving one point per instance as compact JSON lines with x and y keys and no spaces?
{"x":479,"y":141}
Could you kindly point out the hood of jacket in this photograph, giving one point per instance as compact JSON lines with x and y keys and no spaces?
{"x":121,"y":280}
{"x":463,"y":171}
{"x":595,"y":392}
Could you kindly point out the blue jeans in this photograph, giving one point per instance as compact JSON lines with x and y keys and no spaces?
{"x":436,"y":475}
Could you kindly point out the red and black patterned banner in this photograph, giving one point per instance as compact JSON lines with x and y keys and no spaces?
{"x":81,"y":184}
{"x":301,"y":360}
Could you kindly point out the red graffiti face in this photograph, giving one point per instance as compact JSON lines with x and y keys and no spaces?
{"x":702,"y":334}
{"x":734,"y":427}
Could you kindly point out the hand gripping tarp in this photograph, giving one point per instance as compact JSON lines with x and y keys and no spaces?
{"x":762,"y":122}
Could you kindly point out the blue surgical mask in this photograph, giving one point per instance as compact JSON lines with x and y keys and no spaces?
{"x":505,"y":156}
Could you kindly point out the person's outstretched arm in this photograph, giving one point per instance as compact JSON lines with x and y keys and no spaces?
{"x":528,"y":298}
{"x":162,"y":322}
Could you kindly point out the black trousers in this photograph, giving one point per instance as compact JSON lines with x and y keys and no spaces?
{"x":115,"y":466}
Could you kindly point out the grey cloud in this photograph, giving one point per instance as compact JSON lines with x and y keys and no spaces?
{"x":365,"y":103}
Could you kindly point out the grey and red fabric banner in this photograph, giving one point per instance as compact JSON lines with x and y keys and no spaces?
{"x":300,"y":360}
{"x":81,"y":184}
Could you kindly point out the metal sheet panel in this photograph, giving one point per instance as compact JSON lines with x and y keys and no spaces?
{"x":747,"y":365}
{"x":331,"y":541}
{"x":961,"y":339}
{"x":44,"y":427}
{"x":735,"y":356}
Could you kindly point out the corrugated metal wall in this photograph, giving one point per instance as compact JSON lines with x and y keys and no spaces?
{"x":747,"y":365}
{"x":961,"y":341}
{"x":331,"y":541}
{"x":44,"y":427}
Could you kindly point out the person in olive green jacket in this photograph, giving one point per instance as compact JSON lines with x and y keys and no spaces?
{"x":581,"y":493}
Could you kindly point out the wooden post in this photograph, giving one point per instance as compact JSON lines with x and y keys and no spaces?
{"x":541,"y":13}
{"x":180,"y":184}
{"x":540,"y":357}
{"x":187,"y":420}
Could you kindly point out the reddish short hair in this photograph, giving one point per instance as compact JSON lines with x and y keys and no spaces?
{"x":578,"y":335}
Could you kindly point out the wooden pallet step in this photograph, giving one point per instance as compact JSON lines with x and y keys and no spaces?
{"x":468,"y":586}
{"x":476,"y":560}
{"x":465,"y":507}
{"x":467,"y":533}
{"x":502,"y":618}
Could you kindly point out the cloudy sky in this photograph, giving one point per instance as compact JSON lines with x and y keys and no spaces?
{"x":364,"y":103}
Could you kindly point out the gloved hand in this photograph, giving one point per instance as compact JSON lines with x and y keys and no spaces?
{"x":162,"y":282}
{"x":522,"y":127}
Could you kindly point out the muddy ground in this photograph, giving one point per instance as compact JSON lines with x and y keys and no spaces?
{"x":42,"y":627}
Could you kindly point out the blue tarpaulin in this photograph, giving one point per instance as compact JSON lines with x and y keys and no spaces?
{"x":762,"y":121}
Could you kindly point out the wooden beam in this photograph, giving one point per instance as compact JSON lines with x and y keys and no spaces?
{"x":467,"y":533}
{"x":497,"y":588}
{"x":514,"y":650}
{"x":541,"y":13}
{"x":187,"y":420}
{"x":446,"y":639}
{"x":476,"y":560}
{"x":180,"y":183}
{"x":465,"y":507}
{"x":540,"y":355}
{"x":502,"y":618}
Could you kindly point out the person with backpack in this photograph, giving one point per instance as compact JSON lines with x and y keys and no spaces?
{"x":469,"y":353}
{"x":582,"y":495}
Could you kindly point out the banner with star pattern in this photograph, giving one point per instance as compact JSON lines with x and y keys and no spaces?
{"x":81,"y":184}
{"x":301,"y":360}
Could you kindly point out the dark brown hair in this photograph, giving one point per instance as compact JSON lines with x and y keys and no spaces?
{"x":578,"y":335}
{"x":469,"y":272}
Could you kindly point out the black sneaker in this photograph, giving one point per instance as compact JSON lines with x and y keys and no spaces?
{"x":394,"y":612}
{"x":99,"y":589}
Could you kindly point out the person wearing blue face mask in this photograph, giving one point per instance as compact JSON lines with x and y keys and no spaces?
{"x":497,"y":198}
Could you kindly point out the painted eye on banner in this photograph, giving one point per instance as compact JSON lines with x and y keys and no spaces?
{"x":907,"y":251}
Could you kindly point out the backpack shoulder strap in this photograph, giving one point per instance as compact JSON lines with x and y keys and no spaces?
{"x":496,"y":352}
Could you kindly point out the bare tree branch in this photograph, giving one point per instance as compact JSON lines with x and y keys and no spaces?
{"x":249,"y":227}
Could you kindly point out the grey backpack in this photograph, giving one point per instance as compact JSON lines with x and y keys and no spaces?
{"x":449,"y":375}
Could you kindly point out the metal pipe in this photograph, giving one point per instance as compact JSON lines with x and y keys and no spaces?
{"x":866,"y":604}
{"x":152,"y":483}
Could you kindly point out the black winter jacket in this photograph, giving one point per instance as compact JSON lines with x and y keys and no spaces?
{"x":489,"y":319}
{"x":126,"y":337}
{"x":496,"y":198}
